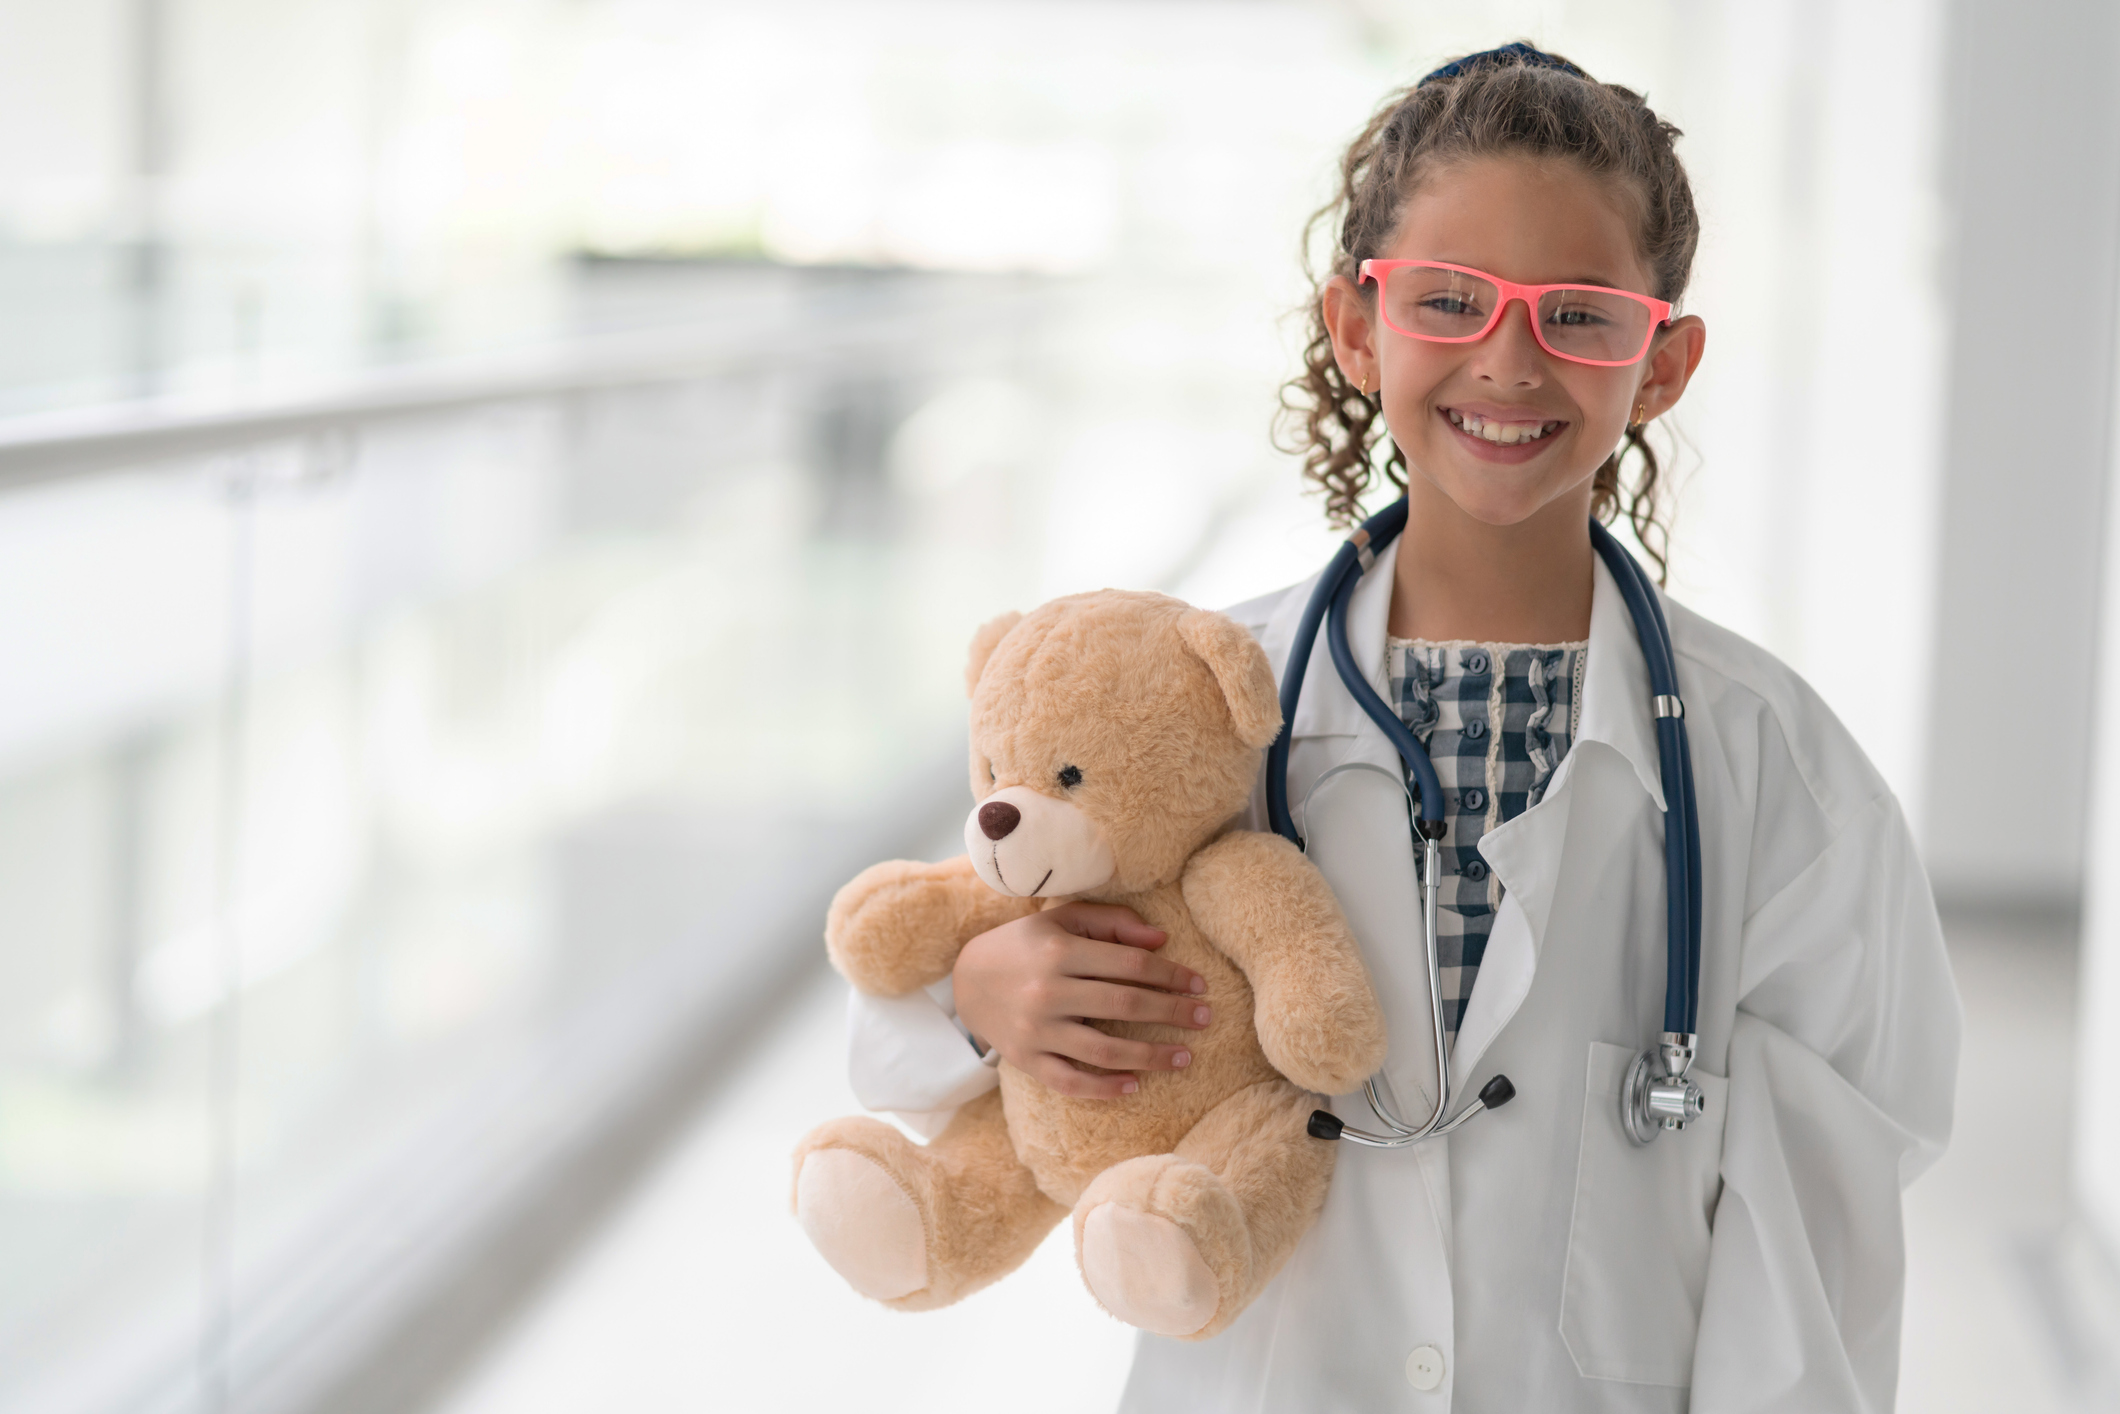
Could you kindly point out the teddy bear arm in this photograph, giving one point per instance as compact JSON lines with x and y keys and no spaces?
{"x":1271,"y":912}
{"x":898,"y":926}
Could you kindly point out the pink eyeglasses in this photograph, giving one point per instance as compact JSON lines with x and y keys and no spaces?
{"x":1455,"y":304}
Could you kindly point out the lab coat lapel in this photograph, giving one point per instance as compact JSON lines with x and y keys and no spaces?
{"x":1526,"y":853}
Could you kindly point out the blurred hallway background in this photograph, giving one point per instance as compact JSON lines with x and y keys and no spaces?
{"x":493,"y":494}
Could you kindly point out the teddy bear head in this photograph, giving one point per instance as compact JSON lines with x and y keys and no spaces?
{"x":1113,"y":734}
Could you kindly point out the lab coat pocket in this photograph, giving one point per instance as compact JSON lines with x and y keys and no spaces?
{"x":1638,"y":1242}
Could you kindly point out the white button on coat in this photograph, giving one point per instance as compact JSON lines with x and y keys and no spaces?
{"x":1424,"y":1368}
{"x":1561,"y":1267}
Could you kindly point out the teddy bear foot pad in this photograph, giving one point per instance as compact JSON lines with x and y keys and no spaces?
{"x":862,"y":1223}
{"x":1145,"y":1270}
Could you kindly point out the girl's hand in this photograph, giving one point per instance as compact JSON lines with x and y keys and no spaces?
{"x":1026,"y":987}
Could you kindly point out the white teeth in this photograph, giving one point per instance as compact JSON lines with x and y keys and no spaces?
{"x":1507,"y":434}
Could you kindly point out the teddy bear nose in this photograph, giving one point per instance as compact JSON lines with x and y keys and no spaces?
{"x":997,"y":818}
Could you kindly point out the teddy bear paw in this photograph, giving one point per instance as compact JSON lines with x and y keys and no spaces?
{"x":862,"y":1223}
{"x":1145,"y":1270}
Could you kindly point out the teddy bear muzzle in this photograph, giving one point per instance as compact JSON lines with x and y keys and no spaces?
{"x":1029,"y":845}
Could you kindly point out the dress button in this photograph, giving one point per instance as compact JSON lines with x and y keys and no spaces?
{"x":1475,"y":799}
{"x":1474,"y":871}
{"x":1475,"y":729}
{"x":1424,"y":1368}
{"x":1475,"y":662}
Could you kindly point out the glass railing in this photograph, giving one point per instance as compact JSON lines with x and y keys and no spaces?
{"x":400,"y":781}
{"x":389,"y":781}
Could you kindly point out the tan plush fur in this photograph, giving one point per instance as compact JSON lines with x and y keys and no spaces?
{"x":1161,"y":710}
{"x":898,"y":926}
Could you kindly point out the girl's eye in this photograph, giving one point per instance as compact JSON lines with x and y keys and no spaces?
{"x":1576,"y":317}
{"x":1070,"y":777}
{"x":1450,"y":304}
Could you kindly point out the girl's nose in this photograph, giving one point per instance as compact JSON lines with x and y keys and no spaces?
{"x":1511,"y":353}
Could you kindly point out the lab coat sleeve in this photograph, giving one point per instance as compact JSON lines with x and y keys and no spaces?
{"x":908,"y":1055}
{"x":1842,"y":1064}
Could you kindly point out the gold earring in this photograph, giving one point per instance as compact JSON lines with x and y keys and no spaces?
{"x":1639,"y":410}
{"x":1364,"y":385}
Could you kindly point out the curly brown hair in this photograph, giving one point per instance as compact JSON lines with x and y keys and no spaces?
{"x":1513,"y":101}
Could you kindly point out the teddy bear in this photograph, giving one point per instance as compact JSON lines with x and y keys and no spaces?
{"x":1114,"y":738}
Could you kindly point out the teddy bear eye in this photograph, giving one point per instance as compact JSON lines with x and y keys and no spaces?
{"x":1070,"y":776}
{"x":991,"y":777}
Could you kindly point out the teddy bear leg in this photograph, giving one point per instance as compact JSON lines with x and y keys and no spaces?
{"x":1179,"y":1243}
{"x":917,"y":1227}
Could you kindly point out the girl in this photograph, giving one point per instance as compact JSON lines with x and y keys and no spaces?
{"x":1536,"y":1259}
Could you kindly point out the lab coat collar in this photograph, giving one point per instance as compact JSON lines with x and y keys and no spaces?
{"x":1326,"y":708}
{"x":1616,"y":709}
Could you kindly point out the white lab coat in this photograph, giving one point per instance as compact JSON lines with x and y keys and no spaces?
{"x":1752,"y":1262}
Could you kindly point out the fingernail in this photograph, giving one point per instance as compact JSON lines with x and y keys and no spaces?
{"x":1181,"y":1060}
{"x":1200,"y":1015}
{"x":1199,"y":984}
{"x":1129,"y":1087}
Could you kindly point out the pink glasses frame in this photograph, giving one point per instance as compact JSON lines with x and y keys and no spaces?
{"x":1659,"y":310}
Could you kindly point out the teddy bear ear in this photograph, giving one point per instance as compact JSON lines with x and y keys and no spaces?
{"x":984,"y":642}
{"x":1239,"y":665}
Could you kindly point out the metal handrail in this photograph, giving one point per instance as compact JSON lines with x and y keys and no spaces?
{"x":54,"y":446}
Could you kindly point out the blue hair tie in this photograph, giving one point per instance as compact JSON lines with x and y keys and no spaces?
{"x":1525,"y":56}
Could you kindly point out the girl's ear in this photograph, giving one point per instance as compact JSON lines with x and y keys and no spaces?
{"x":1672,"y":359}
{"x":984,"y":642}
{"x":1352,"y":330}
{"x":1240,"y":667}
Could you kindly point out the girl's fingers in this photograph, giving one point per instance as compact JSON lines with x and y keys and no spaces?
{"x":1064,"y":1079}
{"x":1107,"y":923}
{"x":1134,"y":966}
{"x":1089,"y":1046}
{"x":1109,"y":1001}
{"x":1027,"y":991}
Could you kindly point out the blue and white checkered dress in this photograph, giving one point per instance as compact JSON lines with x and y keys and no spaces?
{"x":1496,"y":718}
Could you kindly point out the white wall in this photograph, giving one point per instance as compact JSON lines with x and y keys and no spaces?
{"x":2034,"y":192}
{"x":1807,"y":520}
{"x":2097,"y":1149}
{"x":2097,"y":1140}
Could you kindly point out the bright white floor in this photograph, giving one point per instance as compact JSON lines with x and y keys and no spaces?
{"x":702,"y":1294}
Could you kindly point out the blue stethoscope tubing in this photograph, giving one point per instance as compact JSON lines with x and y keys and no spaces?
{"x":1649,"y":1101}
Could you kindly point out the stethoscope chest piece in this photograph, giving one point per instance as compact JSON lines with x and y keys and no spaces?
{"x":1656,"y":1095}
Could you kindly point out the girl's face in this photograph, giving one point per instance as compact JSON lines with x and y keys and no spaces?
{"x":1535,"y":222}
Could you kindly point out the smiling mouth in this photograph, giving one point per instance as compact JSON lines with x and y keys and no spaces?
{"x":1502,"y":434}
{"x":996,"y":858}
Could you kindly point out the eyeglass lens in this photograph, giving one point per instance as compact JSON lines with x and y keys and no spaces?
{"x":1578,"y":322}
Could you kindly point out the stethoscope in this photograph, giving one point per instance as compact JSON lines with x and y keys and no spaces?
{"x":1656,"y":1094}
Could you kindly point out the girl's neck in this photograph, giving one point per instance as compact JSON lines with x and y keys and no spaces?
{"x":1461,"y":578}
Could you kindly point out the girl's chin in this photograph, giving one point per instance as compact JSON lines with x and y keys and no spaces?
{"x":1475,"y":492}
{"x":1499,"y":516}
